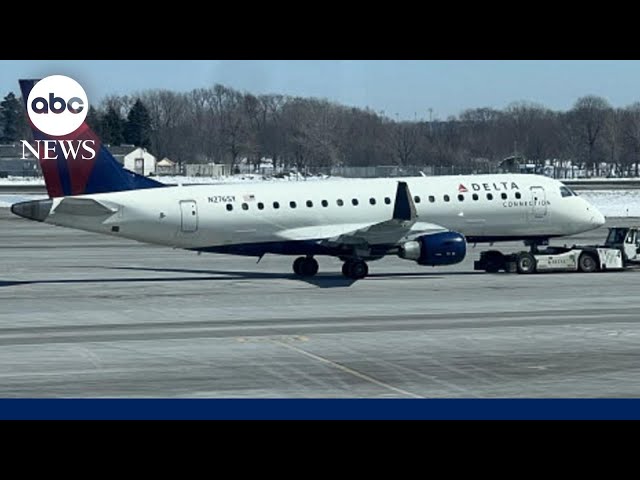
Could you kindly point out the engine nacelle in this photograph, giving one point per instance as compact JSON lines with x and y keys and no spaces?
{"x":444,"y":248}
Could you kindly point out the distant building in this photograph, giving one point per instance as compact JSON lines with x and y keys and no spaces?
{"x":166,"y":167}
{"x":207,"y":170}
{"x":12,"y":164}
{"x":136,"y":159}
{"x":119,"y":151}
{"x":518,"y":164}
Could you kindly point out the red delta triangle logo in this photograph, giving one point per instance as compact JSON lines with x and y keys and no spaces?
{"x":462,"y":189}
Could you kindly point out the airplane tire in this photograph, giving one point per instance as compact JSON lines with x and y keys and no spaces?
{"x":526,"y":263}
{"x":345,"y":268}
{"x":494,"y":262}
{"x":357,"y":269}
{"x":586,"y":263}
{"x":308,"y":267}
{"x":296,"y":265}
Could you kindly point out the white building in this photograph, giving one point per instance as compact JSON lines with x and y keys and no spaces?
{"x":166,"y":167}
{"x":140,"y":161}
{"x":206,"y":170}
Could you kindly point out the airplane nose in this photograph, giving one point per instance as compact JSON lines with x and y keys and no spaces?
{"x":598,"y":219}
{"x":595,"y":217}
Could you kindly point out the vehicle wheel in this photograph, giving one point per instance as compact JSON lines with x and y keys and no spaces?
{"x":358,"y":269}
{"x":526,"y":263}
{"x":494,"y":261}
{"x":587,"y":263}
{"x":296,"y":265}
{"x":308,"y":267}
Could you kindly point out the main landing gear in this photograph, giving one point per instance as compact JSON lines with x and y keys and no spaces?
{"x":352,"y":268}
{"x":355,"y":269}
{"x":305,"y":266}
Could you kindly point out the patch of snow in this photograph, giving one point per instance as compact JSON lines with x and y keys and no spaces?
{"x":7,"y":200}
{"x":176,"y":180}
{"x":20,"y":181}
{"x":614,"y":203}
{"x":240,"y":178}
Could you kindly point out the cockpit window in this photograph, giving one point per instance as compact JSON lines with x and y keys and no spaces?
{"x":567,"y":192}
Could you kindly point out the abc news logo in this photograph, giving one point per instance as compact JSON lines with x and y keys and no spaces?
{"x":40,"y":105}
{"x":58,"y":106}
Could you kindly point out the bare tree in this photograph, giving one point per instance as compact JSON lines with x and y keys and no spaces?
{"x":121,"y":104}
{"x":631,"y":135}
{"x":228,"y":107}
{"x":171,"y":121}
{"x":588,"y":117}
{"x":274,"y":135}
{"x":405,"y":141}
{"x":223,"y":125}
{"x":613,"y":139}
{"x":480,"y":134}
{"x":524,"y":121}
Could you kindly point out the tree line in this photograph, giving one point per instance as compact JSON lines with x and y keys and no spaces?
{"x":223,"y":125}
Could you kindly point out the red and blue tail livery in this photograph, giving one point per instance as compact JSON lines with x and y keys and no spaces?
{"x":75,"y":163}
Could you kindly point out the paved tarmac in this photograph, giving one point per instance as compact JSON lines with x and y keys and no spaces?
{"x":83,"y":315}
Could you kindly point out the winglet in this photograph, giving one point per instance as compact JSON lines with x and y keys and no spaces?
{"x":404,"y":209}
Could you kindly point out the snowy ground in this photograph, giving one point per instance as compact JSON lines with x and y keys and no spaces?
{"x":18,"y":181}
{"x":24,"y":181}
{"x":7,"y":200}
{"x":612,"y":203}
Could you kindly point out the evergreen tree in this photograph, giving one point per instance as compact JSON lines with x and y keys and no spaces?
{"x":112,"y":127}
{"x":138,"y":127}
{"x":23,"y":125}
{"x":10,"y":118}
{"x":94,"y":120}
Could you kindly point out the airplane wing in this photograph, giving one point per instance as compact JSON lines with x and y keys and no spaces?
{"x":389,"y":232}
{"x":403,"y":226}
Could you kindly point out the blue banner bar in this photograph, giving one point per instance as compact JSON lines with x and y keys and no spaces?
{"x":320,"y":409}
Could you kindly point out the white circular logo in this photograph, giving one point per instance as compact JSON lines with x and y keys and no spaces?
{"x":57,"y":105}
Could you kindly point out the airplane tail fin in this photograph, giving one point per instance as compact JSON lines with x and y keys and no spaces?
{"x":71,"y":174}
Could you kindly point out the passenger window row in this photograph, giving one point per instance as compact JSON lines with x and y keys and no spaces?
{"x":372,"y":201}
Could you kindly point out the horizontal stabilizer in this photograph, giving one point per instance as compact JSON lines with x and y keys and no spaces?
{"x":84,"y":206}
{"x":37,"y":210}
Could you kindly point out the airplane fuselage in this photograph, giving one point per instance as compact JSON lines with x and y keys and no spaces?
{"x":264,"y":217}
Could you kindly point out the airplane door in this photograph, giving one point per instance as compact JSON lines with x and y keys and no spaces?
{"x":189,"y":212}
{"x":538,"y":203}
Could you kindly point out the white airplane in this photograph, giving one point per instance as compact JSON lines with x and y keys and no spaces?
{"x":428,"y":220}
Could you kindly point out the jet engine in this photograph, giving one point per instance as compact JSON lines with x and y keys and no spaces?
{"x":444,"y":248}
